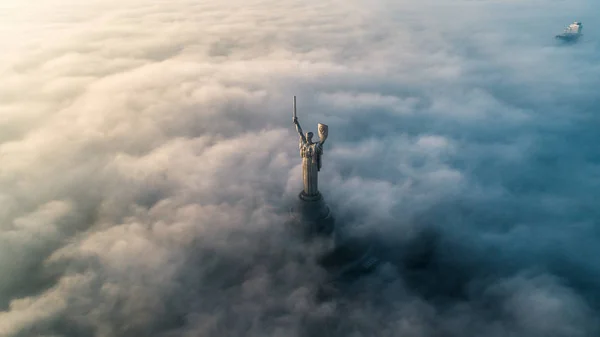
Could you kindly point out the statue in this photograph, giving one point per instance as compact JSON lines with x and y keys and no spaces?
{"x":313,"y":217}
{"x":311,"y":153}
{"x":310,"y":209}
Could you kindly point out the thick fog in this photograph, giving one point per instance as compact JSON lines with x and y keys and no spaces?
{"x":147,"y":157}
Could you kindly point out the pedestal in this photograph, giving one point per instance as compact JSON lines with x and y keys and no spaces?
{"x":347,"y":259}
{"x":312,"y":215}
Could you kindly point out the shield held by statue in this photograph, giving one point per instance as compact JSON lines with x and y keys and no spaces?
{"x":323,"y":132}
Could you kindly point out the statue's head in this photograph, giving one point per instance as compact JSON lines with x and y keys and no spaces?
{"x":309,"y":136}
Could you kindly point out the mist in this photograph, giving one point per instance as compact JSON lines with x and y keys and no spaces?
{"x":148,"y":157}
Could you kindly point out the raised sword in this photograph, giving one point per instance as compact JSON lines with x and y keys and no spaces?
{"x":294,"y":116}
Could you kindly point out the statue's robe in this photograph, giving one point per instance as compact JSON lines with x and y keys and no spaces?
{"x":311,"y":165}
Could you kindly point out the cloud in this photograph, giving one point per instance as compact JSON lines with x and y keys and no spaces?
{"x":147,"y":159}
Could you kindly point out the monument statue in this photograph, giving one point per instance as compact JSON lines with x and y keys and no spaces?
{"x":348,"y":257}
{"x":311,"y":153}
{"x":311,"y":209}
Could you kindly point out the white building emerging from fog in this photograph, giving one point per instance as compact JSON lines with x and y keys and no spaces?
{"x":571,"y":33}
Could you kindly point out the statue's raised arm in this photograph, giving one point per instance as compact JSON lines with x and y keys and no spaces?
{"x":298,"y":127}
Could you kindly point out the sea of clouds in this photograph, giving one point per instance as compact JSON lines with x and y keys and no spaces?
{"x":147,"y":155}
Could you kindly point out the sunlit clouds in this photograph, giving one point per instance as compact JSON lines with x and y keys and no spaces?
{"x":147,"y":156}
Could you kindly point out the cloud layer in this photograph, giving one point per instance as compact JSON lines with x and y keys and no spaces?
{"x":147,"y":156}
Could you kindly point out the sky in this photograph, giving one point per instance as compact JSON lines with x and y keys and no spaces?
{"x":147,"y":157}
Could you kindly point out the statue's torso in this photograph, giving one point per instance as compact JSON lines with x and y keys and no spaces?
{"x":310,"y":150}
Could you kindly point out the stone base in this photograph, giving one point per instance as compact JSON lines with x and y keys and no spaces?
{"x":347,"y":262}
{"x":354,"y":256}
{"x":312,"y":215}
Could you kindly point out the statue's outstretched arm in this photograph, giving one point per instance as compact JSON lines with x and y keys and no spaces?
{"x":299,"y":129}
